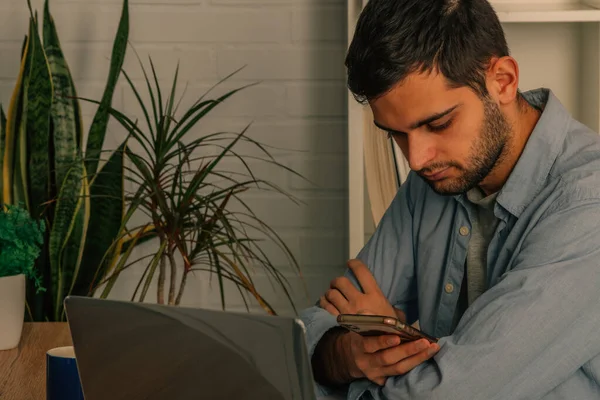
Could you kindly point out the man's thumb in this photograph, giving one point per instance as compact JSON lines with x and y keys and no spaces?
{"x":365,"y":312}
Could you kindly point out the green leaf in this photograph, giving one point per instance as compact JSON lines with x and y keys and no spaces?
{"x":2,"y":139}
{"x":20,"y":172}
{"x":110,"y":281}
{"x":128,"y":124}
{"x":67,"y":234}
{"x":149,"y":235}
{"x":153,"y":265}
{"x":171,"y":101}
{"x":186,"y":207}
{"x":107,"y":209}
{"x":139,"y":98}
{"x":39,"y":100}
{"x":97,"y":132}
{"x":65,"y":110}
{"x":20,"y":240}
{"x":13,"y":122}
{"x":72,"y":256}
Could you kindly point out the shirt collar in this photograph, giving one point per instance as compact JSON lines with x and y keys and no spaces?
{"x":543,"y":146}
{"x":541,"y":150}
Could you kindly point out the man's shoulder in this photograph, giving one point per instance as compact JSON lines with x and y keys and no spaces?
{"x":575,"y":174}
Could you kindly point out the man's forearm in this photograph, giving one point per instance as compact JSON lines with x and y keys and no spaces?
{"x":330,"y":363}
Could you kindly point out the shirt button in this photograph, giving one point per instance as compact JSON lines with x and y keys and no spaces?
{"x":464,"y":231}
{"x":449,"y":288}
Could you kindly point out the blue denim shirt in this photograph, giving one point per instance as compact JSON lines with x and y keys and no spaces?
{"x":535,"y":333}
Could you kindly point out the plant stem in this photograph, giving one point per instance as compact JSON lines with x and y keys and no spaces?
{"x":153,"y":265}
{"x":173,"y":277}
{"x":29,"y":310}
{"x":161,"y":280}
{"x":181,"y":287}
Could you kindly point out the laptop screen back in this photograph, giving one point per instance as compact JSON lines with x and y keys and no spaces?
{"x":129,"y":350}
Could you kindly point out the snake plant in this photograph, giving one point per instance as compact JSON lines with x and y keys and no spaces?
{"x":45,"y":166}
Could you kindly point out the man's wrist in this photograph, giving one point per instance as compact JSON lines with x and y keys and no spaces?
{"x":344,"y":351}
{"x":330,"y":361}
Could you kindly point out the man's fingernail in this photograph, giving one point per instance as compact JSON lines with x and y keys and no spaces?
{"x":433,"y":349}
{"x":422,"y":345}
{"x":393,"y":341}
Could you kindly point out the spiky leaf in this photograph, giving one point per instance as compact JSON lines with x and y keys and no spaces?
{"x":13,"y":120}
{"x":97,"y":132}
{"x":67,"y":234}
{"x":107,"y":204}
{"x":2,"y":138}
{"x":65,"y":111}
{"x":39,"y":100}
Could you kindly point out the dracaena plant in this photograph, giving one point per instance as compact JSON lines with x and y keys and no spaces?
{"x":194,"y":208}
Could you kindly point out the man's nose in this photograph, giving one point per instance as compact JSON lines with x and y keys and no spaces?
{"x":421,"y":152}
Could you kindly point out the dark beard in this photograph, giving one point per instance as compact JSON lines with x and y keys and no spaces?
{"x":487,"y":152}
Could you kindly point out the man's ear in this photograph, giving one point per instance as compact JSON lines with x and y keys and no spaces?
{"x":502,"y":80}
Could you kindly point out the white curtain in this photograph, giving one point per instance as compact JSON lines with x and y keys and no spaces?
{"x":385,"y":167}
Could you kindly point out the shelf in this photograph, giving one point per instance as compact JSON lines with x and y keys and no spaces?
{"x":551,"y":12}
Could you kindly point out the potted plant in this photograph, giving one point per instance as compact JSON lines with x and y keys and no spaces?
{"x":42,"y":149}
{"x":193,"y":205}
{"x":21,"y":239}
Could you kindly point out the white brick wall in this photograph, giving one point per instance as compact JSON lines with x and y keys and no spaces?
{"x":295,"y":48}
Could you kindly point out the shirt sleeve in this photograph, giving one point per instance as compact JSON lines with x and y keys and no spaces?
{"x":389,"y":256}
{"x":531,"y":331}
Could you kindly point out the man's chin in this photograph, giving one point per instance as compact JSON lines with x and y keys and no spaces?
{"x":448,"y":186}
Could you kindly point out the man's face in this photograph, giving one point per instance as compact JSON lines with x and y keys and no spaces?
{"x":450,"y":136}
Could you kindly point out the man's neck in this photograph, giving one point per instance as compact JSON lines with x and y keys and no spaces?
{"x":524,"y":121}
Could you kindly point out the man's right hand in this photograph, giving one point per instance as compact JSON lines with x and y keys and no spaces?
{"x":378,"y":357}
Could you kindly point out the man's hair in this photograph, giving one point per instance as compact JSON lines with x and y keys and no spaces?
{"x":394,"y":38}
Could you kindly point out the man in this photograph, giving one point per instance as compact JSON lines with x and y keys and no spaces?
{"x":493,"y":242}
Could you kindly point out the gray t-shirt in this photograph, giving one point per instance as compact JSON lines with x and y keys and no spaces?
{"x":482,"y":230}
{"x":483,"y":226}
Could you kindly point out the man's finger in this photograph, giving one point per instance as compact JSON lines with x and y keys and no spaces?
{"x":380,"y":381}
{"x":364,"y":276}
{"x":404,"y":366}
{"x":373,"y":344}
{"x":345,"y":287}
{"x":327,"y":306}
{"x":337,"y":300}
{"x":397,"y":354}
{"x":400,"y":315}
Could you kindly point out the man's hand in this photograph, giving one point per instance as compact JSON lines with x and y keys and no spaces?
{"x":344,"y":298}
{"x":378,"y":357}
{"x":373,"y":357}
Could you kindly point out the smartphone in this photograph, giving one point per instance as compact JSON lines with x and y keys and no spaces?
{"x":375,"y":325}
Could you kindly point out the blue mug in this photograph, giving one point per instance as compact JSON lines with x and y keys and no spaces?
{"x":62,"y":376}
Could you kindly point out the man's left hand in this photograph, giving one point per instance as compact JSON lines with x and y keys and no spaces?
{"x":344,"y":298}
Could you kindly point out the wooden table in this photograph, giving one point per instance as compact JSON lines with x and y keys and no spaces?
{"x":23,"y":370}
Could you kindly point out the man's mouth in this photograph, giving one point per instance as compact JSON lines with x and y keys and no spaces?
{"x":438,"y":175}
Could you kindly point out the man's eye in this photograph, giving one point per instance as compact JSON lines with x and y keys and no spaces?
{"x":438,"y":128}
{"x":391,"y":134}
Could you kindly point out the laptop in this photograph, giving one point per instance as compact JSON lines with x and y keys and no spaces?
{"x":128,"y":350}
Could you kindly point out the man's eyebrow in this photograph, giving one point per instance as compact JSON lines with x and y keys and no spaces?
{"x":422,"y":122}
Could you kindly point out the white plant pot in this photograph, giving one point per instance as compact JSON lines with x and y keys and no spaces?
{"x":12,"y":310}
